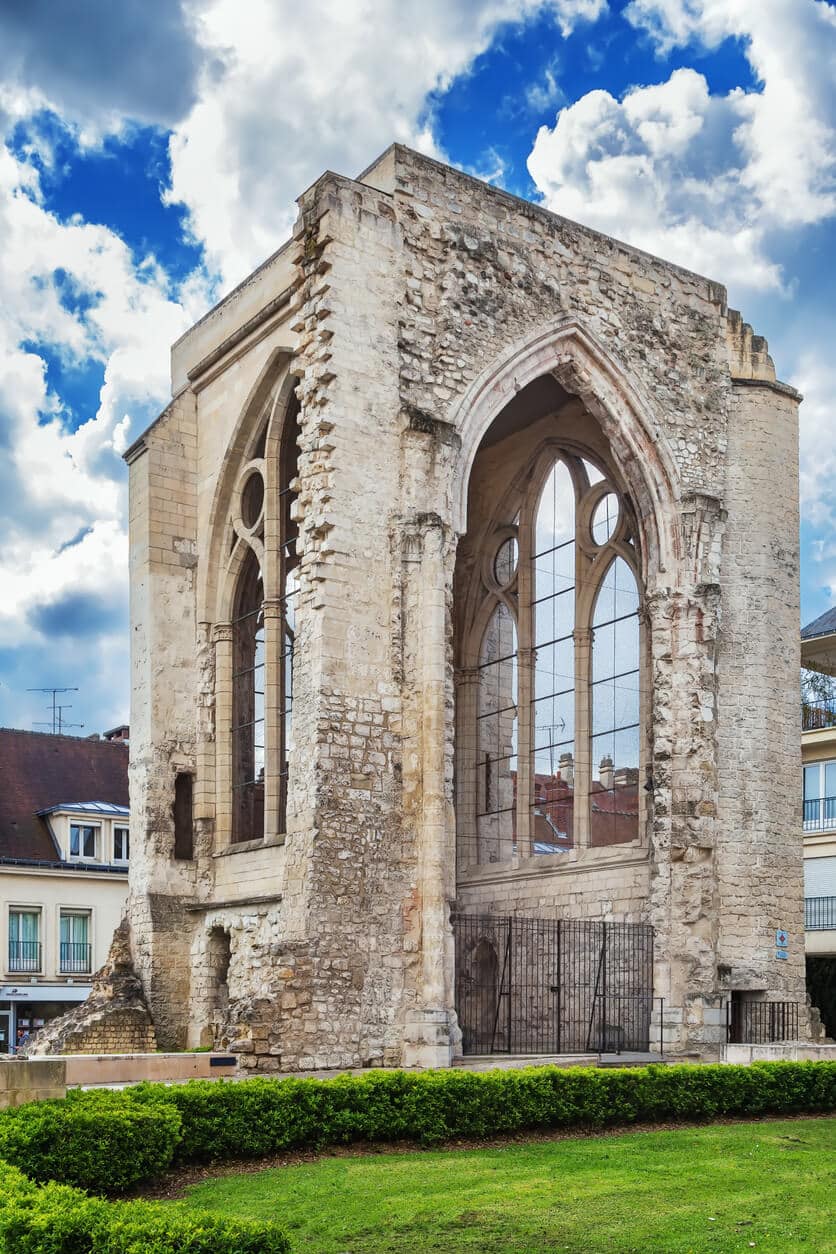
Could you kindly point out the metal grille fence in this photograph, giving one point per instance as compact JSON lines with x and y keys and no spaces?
{"x":549,"y":986}
{"x":761,"y":1022}
{"x":819,"y":913}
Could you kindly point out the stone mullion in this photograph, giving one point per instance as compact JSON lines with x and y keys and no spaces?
{"x":467,"y":766}
{"x":428,"y":1029}
{"x":583,"y":735}
{"x":222,"y":639}
{"x":272,"y":577}
{"x":273,"y":716}
{"x":526,"y":661}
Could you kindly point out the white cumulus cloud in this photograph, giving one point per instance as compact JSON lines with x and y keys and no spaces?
{"x":290,"y":90}
{"x":705,"y":179}
{"x":259,"y":99}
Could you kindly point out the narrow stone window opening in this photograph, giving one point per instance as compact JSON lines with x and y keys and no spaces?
{"x":183,"y":823}
{"x":218,"y":959}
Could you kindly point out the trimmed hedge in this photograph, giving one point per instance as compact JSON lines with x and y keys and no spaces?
{"x":57,"y":1219}
{"x":106,"y":1144}
{"x":253,"y":1118}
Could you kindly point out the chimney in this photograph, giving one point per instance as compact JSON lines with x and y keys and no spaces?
{"x":605,"y":772}
{"x":625,"y":777}
{"x":566,"y":769}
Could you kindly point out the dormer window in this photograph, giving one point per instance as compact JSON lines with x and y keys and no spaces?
{"x":83,"y":841}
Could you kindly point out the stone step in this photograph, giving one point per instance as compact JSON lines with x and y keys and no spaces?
{"x":505,"y":1062}
{"x":630,"y":1058}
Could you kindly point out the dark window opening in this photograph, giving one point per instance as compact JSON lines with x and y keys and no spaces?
{"x":183,"y":826}
{"x":218,"y":957}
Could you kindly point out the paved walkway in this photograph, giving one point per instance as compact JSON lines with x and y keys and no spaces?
{"x":485,"y":1062}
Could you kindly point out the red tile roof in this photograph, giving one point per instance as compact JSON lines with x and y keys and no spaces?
{"x":38,"y":770}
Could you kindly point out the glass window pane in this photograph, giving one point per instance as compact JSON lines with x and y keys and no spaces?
{"x":89,"y":842}
{"x":554,"y":668}
{"x":618,"y":594}
{"x":497,"y":739}
{"x":830,"y":779}
{"x":555,"y":521}
{"x":626,"y":589}
{"x":626,"y":751}
{"x":505,"y":563}
{"x":615,"y":709}
{"x":605,"y":518}
{"x":615,"y":648}
{"x":812,"y":784}
{"x":554,"y":724}
{"x":554,"y":618}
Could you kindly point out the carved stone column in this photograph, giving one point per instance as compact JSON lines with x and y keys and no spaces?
{"x":222,"y":639}
{"x":430,"y":1031}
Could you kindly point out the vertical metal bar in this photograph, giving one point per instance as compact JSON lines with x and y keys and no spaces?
{"x":559,"y":939}
{"x":510,"y":981}
{"x":595,"y":994}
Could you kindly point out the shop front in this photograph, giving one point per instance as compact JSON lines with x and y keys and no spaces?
{"x":26,"y":1008}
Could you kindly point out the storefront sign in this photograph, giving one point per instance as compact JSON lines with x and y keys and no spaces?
{"x":44,"y":992}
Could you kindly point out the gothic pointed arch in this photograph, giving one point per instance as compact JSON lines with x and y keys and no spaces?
{"x":248,"y":594}
{"x":553,"y":691}
{"x":571,"y":354}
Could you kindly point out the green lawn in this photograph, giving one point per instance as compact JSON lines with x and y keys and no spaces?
{"x":769,"y":1185}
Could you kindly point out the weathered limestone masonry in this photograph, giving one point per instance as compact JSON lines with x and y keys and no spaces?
{"x":425,"y":330}
{"x":113,"y":1018}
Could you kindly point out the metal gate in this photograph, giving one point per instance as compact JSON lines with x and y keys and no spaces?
{"x":552,"y":986}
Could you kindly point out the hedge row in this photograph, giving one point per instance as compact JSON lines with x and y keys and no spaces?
{"x":56,"y":1219}
{"x":105,"y":1146}
{"x":108,"y":1141}
{"x":262,"y":1116}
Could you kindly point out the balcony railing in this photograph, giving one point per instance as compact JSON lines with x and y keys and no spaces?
{"x":25,"y":956}
{"x":820,"y":814}
{"x":816,"y":715}
{"x":819,"y":914}
{"x":75,"y":959}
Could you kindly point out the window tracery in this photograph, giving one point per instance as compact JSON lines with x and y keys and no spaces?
{"x":262,"y":553}
{"x":549,"y":708}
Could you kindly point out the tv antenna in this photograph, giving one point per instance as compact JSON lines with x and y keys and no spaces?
{"x":56,"y":708}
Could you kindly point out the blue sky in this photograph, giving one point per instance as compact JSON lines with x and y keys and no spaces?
{"x":151,"y":152}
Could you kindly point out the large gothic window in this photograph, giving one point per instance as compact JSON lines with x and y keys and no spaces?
{"x":262,"y":548}
{"x":549,"y":707}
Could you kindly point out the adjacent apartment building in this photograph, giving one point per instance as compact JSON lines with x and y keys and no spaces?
{"x":818,"y":654}
{"x":64,"y":851}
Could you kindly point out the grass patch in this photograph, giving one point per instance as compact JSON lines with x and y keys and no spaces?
{"x":721,"y":1188}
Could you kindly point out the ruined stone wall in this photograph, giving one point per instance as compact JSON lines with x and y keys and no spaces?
{"x":420,"y":301}
{"x":113,"y":1019}
{"x":759,"y":846}
{"x":163,"y":559}
{"x":614,"y":889}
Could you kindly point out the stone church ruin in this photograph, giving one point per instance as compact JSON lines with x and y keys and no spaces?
{"x":464,"y":603}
